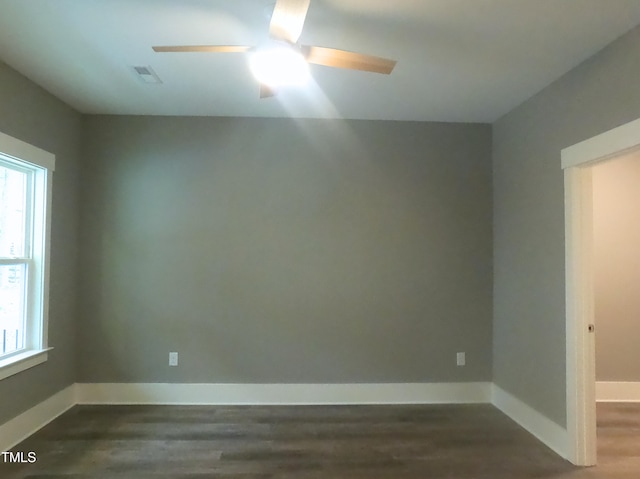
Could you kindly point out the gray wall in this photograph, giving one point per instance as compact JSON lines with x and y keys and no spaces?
{"x":271,"y":250}
{"x":529,"y":289}
{"x":32,"y":115}
{"x":616,"y":233}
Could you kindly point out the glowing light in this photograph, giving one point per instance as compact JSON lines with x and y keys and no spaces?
{"x":279,"y":65}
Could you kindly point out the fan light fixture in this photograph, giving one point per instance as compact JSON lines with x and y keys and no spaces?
{"x":283,"y":62}
{"x":279,"y":65}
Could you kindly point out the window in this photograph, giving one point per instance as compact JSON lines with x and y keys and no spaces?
{"x":25,"y":204}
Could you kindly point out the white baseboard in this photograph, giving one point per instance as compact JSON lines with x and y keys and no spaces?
{"x":547,"y":431}
{"x":617,"y":391}
{"x":284,"y":394}
{"x":19,"y":428}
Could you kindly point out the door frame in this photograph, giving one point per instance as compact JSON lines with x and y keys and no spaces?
{"x":576,"y":162}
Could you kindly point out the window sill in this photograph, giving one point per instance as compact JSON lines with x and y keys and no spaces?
{"x":22,"y":362}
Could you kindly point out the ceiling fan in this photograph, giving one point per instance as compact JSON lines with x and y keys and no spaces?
{"x":285,"y":61}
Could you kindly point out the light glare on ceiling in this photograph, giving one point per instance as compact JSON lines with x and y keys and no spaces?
{"x":279,"y":65}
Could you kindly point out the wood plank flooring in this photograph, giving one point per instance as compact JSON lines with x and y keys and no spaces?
{"x":313,"y":442}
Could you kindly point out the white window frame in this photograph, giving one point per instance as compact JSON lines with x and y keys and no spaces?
{"x":42,"y":164}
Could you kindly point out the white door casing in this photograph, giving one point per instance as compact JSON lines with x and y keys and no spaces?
{"x":577,"y":161}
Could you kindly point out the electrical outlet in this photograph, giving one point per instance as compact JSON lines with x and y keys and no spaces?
{"x":173,"y":359}
{"x":461,"y":359}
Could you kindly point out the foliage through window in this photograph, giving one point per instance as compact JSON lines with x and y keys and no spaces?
{"x":15,"y":188}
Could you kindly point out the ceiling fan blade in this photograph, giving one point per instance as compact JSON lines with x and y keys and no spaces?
{"x":266,"y":91}
{"x":331,"y":57}
{"x":203,"y":48}
{"x":287,"y":19}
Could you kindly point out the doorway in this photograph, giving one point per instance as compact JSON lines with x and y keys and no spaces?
{"x":616,"y":262}
{"x":577,"y":163}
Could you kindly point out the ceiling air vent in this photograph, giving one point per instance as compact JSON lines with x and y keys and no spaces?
{"x":146,"y":74}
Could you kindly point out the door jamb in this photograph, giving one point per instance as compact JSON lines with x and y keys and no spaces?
{"x":580,"y":344}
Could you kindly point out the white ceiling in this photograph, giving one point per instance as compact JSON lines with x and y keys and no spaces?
{"x":458,"y":60}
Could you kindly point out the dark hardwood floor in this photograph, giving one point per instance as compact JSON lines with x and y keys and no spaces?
{"x":313,"y":442}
